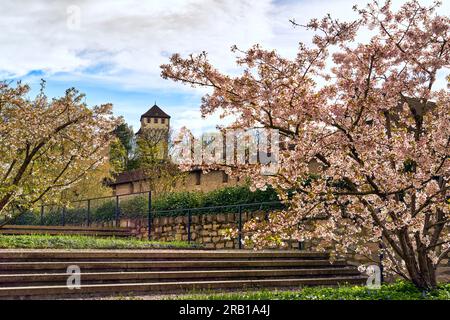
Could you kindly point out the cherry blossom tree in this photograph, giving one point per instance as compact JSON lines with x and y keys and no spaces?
{"x":369,"y":117}
{"x":47,"y":146}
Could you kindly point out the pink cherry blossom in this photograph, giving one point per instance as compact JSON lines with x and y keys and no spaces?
{"x":369,"y":155}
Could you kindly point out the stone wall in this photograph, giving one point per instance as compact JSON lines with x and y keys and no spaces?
{"x":208,"y":230}
{"x":192,"y":181}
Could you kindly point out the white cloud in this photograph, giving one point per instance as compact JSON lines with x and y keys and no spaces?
{"x":192,"y":119}
{"x":130,"y":39}
{"x":122,"y":43}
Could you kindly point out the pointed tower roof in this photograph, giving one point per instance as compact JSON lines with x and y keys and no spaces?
{"x":155,"y":112}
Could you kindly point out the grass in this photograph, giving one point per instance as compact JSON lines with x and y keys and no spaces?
{"x":84,"y":242}
{"x":399,"y":290}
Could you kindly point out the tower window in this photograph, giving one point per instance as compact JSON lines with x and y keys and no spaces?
{"x":155,"y":120}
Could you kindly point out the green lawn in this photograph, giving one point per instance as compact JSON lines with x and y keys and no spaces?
{"x":84,"y":242}
{"x":397,"y":291}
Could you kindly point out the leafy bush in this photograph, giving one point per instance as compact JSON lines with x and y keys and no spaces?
{"x":105,"y":212}
{"x":400,"y":290}
{"x":238,"y":195}
{"x":134,"y":207}
{"x":221,"y":197}
{"x":28,"y":218}
{"x":179,"y":200}
{"x":171,"y":204}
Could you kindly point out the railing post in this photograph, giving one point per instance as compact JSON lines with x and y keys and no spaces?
{"x":63,"y":217}
{"x":149,"y":222}
{"x":240,"y":227}
{"x":301,"y":244}
{"x":189,"y":225}
{"x":381,"y":261}
{"x":42,"y":215}
{"x":117,"y":213}
{"x":89,"y":212}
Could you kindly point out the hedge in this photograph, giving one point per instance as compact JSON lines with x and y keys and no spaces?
{"x":171,"y":204}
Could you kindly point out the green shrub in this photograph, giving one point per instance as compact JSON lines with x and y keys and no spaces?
{"x":179,"y":200}
{"x":137,"y":206}
{"x":52,"y":216}
{"x":105,"y":212}
{"x":222,"y":197}
{"x":28,"y":218}
{"x":174,"y":203}
{"x":134,"y":207}
{"x":400,"y":290}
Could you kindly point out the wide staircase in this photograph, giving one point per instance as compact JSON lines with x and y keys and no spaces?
{"x":66,"y":230}
{"x":34,"y":274}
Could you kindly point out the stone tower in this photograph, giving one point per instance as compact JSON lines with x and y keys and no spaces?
{"x":155,"y":125}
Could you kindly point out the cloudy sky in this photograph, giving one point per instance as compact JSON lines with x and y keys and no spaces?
{"x":112,"y":50}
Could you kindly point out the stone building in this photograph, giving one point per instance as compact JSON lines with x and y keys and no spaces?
{"x":155,"y":125}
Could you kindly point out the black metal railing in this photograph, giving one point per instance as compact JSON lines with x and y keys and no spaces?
{"x":112,"y":209}
{"x":237,"y":209}
{"x":85,"y":212}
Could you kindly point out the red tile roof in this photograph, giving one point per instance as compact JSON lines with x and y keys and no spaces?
{"x":155,"y":112}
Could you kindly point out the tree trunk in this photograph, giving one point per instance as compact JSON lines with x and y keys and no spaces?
{"x":424,"y":280}
{"x":420,"y":268}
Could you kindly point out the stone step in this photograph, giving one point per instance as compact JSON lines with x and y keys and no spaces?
{"x":116,"y":277}
{"x":35,"y":274}
{"x":165,"y":265}
{"x":166,"y":287}
{"x":131,"y":255}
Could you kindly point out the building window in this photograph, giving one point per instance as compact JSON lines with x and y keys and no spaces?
{"x":163,"y":121}
{"x":155,"y":120}
{"x":224,"y":177}
{"x":148,"y":120}
{"x":198,"y":177}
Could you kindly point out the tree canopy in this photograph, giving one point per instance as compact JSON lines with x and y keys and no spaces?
{"x":369,"y":114}
{"x":48,"y":145}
